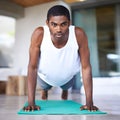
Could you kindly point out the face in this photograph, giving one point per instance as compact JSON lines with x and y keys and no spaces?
{"x":58,"y":26}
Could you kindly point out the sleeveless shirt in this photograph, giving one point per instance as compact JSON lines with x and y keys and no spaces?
{"x":57,"y":66}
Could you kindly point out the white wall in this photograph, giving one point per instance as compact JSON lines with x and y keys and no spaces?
{"x":34,"y":16}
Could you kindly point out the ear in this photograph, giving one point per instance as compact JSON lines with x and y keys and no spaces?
{"x":47,"y":22}
{"x":70,"y":22}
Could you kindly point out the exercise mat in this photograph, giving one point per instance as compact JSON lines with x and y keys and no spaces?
{"x":58,"y":107}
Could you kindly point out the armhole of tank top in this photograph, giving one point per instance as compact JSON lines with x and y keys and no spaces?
{"x":42,"y":37}
{"x":44,"y":32}
{"x":76,"y":41}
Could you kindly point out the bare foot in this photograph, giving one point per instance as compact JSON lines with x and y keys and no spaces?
{"x":64,"y":95}
{"x":44,"y":94}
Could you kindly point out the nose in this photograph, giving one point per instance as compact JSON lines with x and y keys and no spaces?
{"x":58,"y":28}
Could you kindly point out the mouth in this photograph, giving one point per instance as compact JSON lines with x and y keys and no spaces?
{"x":59,"y":35}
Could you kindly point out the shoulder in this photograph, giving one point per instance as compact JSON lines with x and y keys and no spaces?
{"x":37,"y":36}
{"x":80,"y":36}
{"x":79,"y":31}
{"x":38,"y":32}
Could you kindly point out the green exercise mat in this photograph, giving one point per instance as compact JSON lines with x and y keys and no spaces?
{"x":56,"y":107}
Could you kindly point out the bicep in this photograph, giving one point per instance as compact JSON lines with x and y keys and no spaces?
{"x":83,"y":48}
{"x":34,"y":54}
{"x":84,"y":54}
{"x":34,"y":50}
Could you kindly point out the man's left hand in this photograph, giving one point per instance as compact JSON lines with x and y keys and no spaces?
{"x":89,"y":108}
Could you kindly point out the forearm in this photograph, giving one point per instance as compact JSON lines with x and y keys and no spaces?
{"x":31,"y":81}
{"x":88,"y":84}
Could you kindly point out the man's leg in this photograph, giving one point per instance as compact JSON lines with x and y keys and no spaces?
{"x":64,"y":94}
{"x":44,"y":88}
{"x":65,"y":88}
{"x":44,"y":94}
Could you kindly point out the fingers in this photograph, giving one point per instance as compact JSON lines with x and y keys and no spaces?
{"x":89,"y":108}
{"x":27,"y":108}
{"x":94,"y":108}
{"x":31,"y":108}
{"x":37,"y":108}
{"x":84,"y":107}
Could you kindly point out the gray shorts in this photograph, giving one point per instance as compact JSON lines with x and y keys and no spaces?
{"x":45,"y":86}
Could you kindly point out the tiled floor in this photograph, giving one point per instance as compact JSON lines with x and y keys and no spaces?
{"x":9,"y":105}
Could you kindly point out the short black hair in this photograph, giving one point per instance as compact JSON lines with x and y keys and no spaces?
{"x":58,"y":10}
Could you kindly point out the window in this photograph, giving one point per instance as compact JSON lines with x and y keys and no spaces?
{"x":108,"y":58}
{"x":7,"y":39}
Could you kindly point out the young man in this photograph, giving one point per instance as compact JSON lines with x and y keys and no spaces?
{"x":56,"y":52}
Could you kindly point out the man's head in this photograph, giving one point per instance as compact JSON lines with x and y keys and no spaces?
{"x":58,"y":21}
{"x":58,"y":10}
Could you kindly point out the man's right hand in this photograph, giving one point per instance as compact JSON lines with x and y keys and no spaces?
{"x":31,"y":108}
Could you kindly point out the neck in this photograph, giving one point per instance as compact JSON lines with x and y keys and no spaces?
{"x":60,"y":42}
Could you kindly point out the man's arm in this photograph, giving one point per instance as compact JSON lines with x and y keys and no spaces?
{"x":34,"y":55}
{"x":86,"y":68}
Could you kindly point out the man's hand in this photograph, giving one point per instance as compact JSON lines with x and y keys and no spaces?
{"x":31,"y":108}
{"x":89,"y":108}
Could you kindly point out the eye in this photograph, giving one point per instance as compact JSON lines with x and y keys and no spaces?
{"x":64,"y":24}
{"x":54,"y":24}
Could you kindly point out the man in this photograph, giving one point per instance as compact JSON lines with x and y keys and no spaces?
{"x":56,"y":52}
